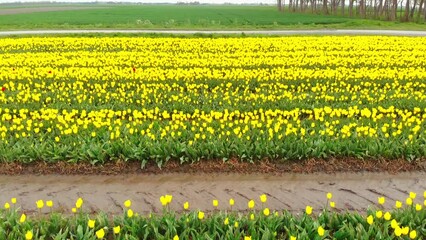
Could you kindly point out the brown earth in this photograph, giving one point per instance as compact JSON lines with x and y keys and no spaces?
{"x":12,"y":11}
{"x":355,"y":184}
{"x":331,"y":165}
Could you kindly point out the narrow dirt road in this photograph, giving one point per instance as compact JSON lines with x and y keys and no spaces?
{"x":351,"y":191}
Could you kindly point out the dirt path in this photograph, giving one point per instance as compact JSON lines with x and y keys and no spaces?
{"x":352,"y":191}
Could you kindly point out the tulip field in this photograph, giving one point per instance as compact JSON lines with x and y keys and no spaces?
{"x":190,"y":99}
{"x":405,"y":221}
{"x":187,"y":99}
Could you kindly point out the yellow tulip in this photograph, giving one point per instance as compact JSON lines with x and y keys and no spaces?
{"x":250,"y":204}
{"x":91,"y":223}
{"x":100,"y":233}
{"x":266,"y":211}
{"x":398,"y":204}
{"x":186,"y":206}
{"x":405,"y":230}
{"x":370,"y":219}
{"x":215,"y":203}
{"x":40,"y":204}
{"x":308,"y":210}
{"x":413,"y":234}
{"x":79,"y":203}
{"x":116,"y":229}
{"x":394,"y":223}
{"x":397,"y":231}
{"x":127,"y":203}
{"x":200,"y":215}
{"x":263,"y":198}
{"x":387,"y":216}
{"x":129,"y":213}
{"x":29,"y":235}
{"x":22,"y":218}
{"x":321,"y":231}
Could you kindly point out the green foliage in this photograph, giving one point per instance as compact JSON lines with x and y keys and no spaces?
{"x":183,"y":17}
{"x":215,"y":225}
{"x":250,"y":118}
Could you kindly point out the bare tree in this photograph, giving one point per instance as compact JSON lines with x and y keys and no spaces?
{"x":377,"y":9}
{"x":383,"y":8}
{"x":362,"y":8}
{"x":424,"y":9}
{"x":394,"y":9}
{"x":342,"y":2}
{"x":314,"y":6}
{"x":324,"y":7}
{"x":419,"y":13}
{"x":351,"y":5}
{"x":407,"y":11}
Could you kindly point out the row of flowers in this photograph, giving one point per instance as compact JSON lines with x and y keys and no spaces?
{"x":402,"y":222}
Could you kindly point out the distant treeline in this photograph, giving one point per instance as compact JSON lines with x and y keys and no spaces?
{"x":392,"y":10}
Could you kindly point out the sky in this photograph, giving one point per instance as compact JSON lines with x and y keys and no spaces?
{"x":155,"y":1}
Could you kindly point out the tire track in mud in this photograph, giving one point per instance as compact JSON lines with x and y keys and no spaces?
{"x":351,"y":191}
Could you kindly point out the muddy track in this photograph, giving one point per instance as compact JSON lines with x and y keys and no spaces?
{"x":351,"y":191}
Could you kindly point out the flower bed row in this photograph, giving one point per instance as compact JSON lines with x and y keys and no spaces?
{"x":403,"y":222}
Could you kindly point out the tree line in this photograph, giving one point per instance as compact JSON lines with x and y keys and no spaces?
{"x":392,"y":10}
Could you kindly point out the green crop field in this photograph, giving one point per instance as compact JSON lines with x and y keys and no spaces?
{"x":100,"y":16}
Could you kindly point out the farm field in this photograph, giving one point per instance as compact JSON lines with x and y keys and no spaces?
{"x":154,"y":99}
{"x":209,"y":120}
{"x":212,"y":17}
{"x":257,"y":221}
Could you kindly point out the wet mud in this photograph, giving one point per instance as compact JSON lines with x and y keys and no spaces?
{"x":290,"y":191}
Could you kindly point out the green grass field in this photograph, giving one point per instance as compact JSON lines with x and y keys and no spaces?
{"x":104,"y":16}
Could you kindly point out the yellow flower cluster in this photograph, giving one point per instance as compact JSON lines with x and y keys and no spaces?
{"x":270,"y":124}
{"x":377,"y":219}
{"x":186,"y":91}
{"x":156,"y":59}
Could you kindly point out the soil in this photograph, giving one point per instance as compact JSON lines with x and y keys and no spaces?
{"x":356,"y":184}
{"x":274,"y":167}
